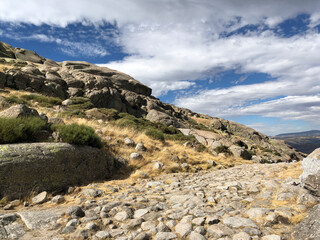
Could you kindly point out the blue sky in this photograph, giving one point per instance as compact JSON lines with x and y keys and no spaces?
{"x":254,"y":62}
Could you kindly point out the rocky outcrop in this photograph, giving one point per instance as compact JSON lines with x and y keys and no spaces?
{"x":309,"y":228}
{"x":19,"y":110}
{"x":310,"y":178}
{"x":49,"y":166}
{"x":107,"y":88}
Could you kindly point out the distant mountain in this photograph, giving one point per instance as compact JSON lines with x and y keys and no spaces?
{"x":311,"y":133}
{"x":304,"y":142}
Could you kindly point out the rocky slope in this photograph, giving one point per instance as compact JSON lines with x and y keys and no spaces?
{"x":22,"y":69}
{"x":241,"y":203}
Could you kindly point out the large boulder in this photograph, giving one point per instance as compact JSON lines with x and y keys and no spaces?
{"x":240,"y":152}
{"x":49,"y":167}
{"x":6,"y":50}
{"x":310,"y":178}
{"x":309,"y":228}
{"x":27,"y":55}
{"x":19,"y":110}
{"x":157,"y":116}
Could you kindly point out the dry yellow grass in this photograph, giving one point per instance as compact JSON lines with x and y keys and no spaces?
{"x":203,"y":121}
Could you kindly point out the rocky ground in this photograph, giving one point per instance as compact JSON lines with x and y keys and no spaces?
{"x":255,"y":201}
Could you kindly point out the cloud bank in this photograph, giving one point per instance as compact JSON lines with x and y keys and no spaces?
{"x":172,"y":45}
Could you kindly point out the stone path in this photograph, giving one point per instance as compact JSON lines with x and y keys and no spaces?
{"x":241,"y":203}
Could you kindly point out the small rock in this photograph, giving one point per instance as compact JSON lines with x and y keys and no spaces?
{"x":92,"y":226}
{"x":196,"y":236}
{"x":73,"y":222}
{"x":142,"y":236}
{"x":58,"y":199}
{"x":67,"y":102}
{"x":163,"y":227}
{"x":102,"y":235}
{"x":40,"y":198}
{"x":129,"y":142}
{"x":183,"y":229}
{"x":8,"y":207}
{"x":271,"y":237}
{"x":68,"y":229}
{"x":212,"y":220}
{"x":199,"y":221}
{"x":238,"y":222}
{"x":165,"y":236}
{"x":135,"y":155}
{"x":140,"y":147}
{"x":241,"y":236}
{"x":91,"y":192}
{"x":121,"y":216}
{"x":15,"y":203}
{"x":140,"y":213}
{"x":157,"y":165}
{"x":75,"y":212}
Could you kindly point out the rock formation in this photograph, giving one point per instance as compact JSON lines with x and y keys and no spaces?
{"x":310,"y":178}
{"x":106,"y":88}
{"x":25,"y":168}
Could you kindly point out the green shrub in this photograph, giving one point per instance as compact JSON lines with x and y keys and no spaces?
{"x":44,"y":101}
{"x":111,"y":113}
{"x":14,"y":130}
{"x":81,"y":103}
{"x":78,"y":134}
{"x":223,"y":149}
{"x":15,"y":100}
{"x":155,"y":134}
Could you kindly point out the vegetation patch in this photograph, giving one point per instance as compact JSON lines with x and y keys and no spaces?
{"x":44,"y":101}
{"x":223,"y":149}
{"x":15,"y":100}
{"x":80,"y":103}
{"x":14,"y":130}
{"x":78,"y":134}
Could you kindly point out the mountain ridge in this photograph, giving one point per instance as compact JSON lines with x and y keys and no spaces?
{"x":25,"y":70}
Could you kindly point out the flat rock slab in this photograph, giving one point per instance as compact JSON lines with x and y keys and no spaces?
{"x":41,"y":219}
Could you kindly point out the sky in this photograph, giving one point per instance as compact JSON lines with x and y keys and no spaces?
{"x":255,"y":62}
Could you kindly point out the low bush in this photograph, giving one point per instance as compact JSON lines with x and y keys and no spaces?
{"x":223,"y":149}
{"x":44,"y":101}
{"x":155,"y":134}
{"x":80,"y":103}
{"x":15,"y":100}
{"x":14,"y":130}
{"x":78,"y":134}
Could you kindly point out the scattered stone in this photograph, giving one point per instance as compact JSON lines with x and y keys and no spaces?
{"x":75,"y":212}
{"x":273,"y":237}
{"x":165,"y":236}
{"x":183,"y":229}
{"x":102,"y":235}
{"x":135,"y":156}
{"x":241,"y":236}
{"x":129,"y":142}
{"x":92,"y":226}
{"x":91,"y":192}
{"x":196,"y":236}
{"x":157,"y":165}
{"x":140,"y":213}
{"x":238,"y":222}
{"x":140,"y":147}
{"x":58,"y":199}
{"x":122,"y":216}
{"x":142,"y":236}
{"x":40,"y":198}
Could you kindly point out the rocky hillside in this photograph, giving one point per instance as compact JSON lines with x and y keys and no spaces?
{"x":101,"y":87}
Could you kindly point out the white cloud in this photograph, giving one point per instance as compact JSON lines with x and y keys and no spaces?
{"x":82,"y":49}
{"x":172,"y":44}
